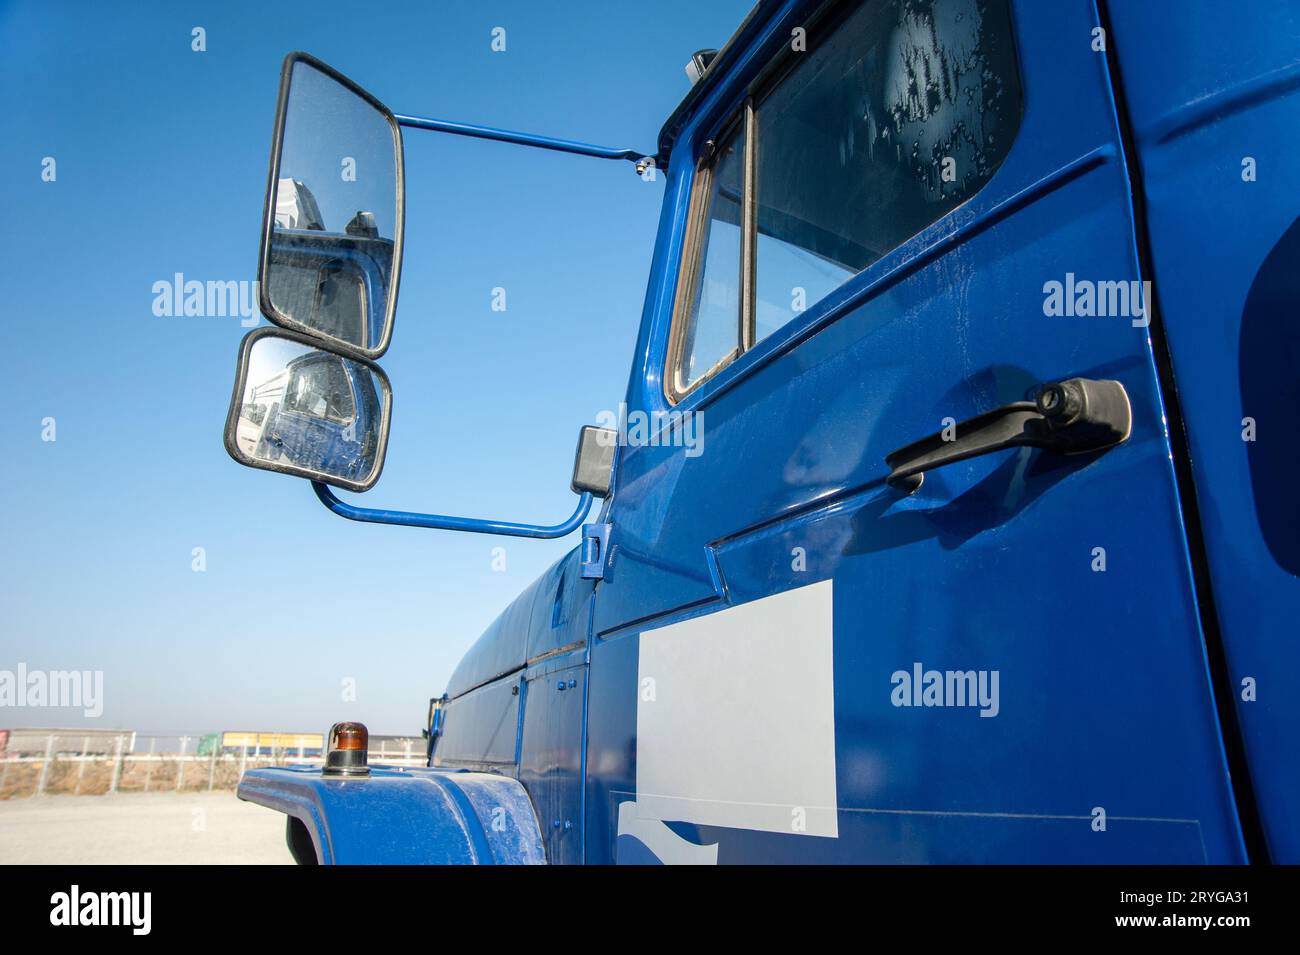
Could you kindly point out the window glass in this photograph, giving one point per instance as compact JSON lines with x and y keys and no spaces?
{"x":329,"y":298}
{"x":898,"y":113}
{"x":712,"y":330}
{"x":320,"y":388}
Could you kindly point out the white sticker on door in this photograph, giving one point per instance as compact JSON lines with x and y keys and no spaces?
{"x":736,"y":717}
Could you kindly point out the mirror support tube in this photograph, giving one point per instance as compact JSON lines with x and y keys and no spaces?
{"x":520,"y":139}
{"x":440,"y":522}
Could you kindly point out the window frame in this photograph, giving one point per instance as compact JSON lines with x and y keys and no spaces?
{"x":740,"y":120}
{"x":820,"y":24}
{"x":745,"y":114}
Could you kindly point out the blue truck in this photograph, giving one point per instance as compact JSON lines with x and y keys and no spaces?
{"x":948,"y":518}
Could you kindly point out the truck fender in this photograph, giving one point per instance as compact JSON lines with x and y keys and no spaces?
{"x":403,"y":816}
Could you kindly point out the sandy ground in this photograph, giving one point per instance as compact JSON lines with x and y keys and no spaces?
{"x":131,"y":828}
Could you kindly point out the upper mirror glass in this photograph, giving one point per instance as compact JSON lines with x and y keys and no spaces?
{"x":305,"y":411}
{"x":331,"y":245}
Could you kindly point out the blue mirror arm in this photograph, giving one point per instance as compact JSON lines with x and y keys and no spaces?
{"x":441,"y":522}
{"x":520,"y":139}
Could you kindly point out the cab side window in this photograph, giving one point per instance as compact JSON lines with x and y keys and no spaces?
{"x":320,"y":388}
{"x":899,"y":111}
{"x":711,"y":325}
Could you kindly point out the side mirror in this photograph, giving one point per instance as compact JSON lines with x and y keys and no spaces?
{"x":308,"y":399}
{"x":299,"y":409}
{"x":331,"y":248}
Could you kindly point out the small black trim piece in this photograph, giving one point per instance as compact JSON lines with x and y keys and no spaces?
{"x":1243,"y":788}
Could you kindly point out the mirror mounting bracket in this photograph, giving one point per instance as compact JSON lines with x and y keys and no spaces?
{"x":443,"y":522}
{"x":641,"y":160}
{"x":595,"y":550}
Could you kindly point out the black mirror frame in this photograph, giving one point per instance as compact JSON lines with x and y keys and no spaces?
{"x":237,"y":400}
{"x":268,"y":214}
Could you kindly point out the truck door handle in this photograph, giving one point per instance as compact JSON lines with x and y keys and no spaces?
{"x":1074,"y":416}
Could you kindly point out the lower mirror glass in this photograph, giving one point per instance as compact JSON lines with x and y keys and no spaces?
{"x":303,"y":410}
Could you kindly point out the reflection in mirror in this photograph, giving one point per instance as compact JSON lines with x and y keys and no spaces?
{"x":309,"y":412}
{"x":330,"y":268}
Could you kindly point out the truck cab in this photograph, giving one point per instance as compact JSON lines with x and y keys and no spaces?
{"x":946,"y":518}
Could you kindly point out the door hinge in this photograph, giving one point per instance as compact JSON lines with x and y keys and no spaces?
{"x":595,"y":544}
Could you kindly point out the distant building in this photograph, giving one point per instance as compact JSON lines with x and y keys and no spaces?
{"x":253,"y":743}
{"x":272,"y":744}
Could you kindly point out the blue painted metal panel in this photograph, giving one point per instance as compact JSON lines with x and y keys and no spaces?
{"x":529,"y":627}
{"x":480,"y":729}
{"x":502,"y":649}
{"x":1214,"y":95}
{"x":561,"y":608}
{"x":404,"y":816}
{"x":1106,"y":696}
{"x":551,"y":752}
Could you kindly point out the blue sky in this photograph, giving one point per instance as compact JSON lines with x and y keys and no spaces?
{"x":161,"y":156}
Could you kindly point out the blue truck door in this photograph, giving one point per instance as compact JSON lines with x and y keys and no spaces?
{"x":772,"y":613}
